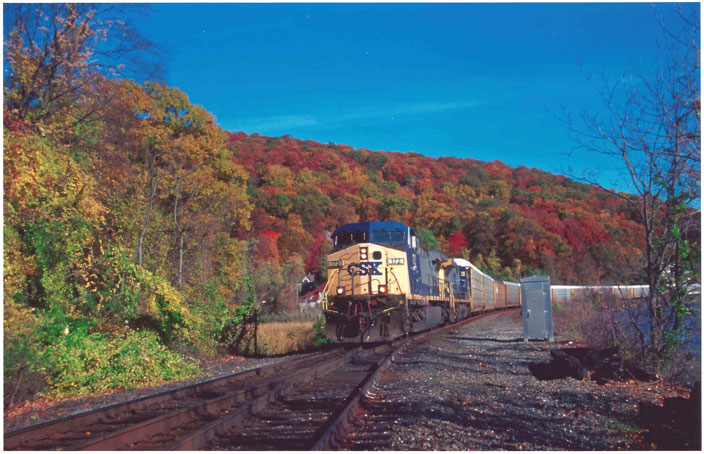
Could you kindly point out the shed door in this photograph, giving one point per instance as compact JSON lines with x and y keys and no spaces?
{"x":535,"y":316}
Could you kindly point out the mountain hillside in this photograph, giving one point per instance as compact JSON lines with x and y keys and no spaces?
{"x":509,"y":221}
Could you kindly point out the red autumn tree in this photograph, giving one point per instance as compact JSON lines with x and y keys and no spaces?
{"x":456,"y":243}
{"x":267,"y":249}
{"x":313,"y":261}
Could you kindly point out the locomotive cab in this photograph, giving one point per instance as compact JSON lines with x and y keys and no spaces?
{"x":463,"y":284}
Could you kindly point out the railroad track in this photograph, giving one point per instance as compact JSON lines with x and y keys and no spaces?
{"x":366,"y":424}
{"x":323,"y":401}
{"x":299,"y":416}
{"x":156,"y":422}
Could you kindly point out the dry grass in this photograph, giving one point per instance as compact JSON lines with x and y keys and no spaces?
{"x":586,"y":320}
{"x":284,"y":337}
{"x":604,"y":322}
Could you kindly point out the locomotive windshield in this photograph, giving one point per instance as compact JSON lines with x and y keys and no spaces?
{"x":388,"y":236}
{"x":346,"y":238}
{"x":388,"y":233}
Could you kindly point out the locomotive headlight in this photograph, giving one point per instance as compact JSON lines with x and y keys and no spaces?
{"x":383,"y":289}
{"x":363,"y":253}
{"x":340,"y":290}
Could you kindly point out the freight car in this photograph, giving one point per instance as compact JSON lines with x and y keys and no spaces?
{"x":384,"y":283}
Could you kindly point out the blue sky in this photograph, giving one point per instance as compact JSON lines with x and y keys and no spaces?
{"x":482,"y":81}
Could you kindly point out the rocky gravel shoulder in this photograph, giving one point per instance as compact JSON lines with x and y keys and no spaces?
{"x":472,"y":389}
{"x":43,"y":409}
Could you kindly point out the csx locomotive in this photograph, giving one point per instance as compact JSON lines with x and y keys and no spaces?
{"x":383,"y":283}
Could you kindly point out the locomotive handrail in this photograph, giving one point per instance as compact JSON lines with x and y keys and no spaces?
{"x":445,"y":291}
{"x":326,"y":289}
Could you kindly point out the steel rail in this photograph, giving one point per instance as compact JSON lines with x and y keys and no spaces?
{"x":122,"y":439}
{"x":224,"y":411}
{"x":199,"y":439}
{"x":24,"y":438}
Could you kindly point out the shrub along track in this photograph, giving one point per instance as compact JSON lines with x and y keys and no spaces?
{"x":307,"y":403}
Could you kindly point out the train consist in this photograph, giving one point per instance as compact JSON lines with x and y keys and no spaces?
{"x":383,"y":283}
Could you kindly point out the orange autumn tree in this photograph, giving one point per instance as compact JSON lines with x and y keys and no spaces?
{"x":78,"y":150}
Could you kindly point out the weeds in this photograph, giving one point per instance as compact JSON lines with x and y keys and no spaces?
{"x":624,"y":428}
{"x":286,"y":317}
{"x":97,"y":363}
{"x":284,"y":337}
{"x":585,"y":319}
{"x":320,"y":334}
{"x":604,"y":322}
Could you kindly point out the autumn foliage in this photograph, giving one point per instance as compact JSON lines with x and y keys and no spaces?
{"x":480,"y":210}
{"x":129,"y":210}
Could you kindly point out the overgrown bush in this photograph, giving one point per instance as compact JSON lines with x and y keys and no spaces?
{"x":97,"y":322}
{"x":22,"y":373}
{"x":280,"y":338}
{"x":320,"y":338}
{"x":585,"y":319}
{"x":78,"y":364}
{"x":299,"y":316}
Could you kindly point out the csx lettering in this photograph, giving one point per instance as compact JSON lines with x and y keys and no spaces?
{"x":364,"y":269}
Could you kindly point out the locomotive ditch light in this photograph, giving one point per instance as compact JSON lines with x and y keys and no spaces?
{"x":383,"y":289}
{"x":340,"y":290}
{"x":363,"y":253}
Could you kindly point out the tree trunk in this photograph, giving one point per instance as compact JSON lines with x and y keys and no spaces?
{"x":150,"y":203}
{"x":256,"y":324}
{"x":179,"y":279}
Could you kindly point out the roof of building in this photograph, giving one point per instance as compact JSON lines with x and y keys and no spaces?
{"x":313,"y":292}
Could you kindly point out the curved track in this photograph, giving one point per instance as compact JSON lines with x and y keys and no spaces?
{"x":153,"y":422}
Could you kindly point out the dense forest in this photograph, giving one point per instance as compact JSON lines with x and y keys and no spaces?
{"x":134,"y":226}
{"x":511,"y":222}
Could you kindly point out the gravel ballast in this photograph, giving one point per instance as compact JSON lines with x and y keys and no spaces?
{"x":471,"y":389}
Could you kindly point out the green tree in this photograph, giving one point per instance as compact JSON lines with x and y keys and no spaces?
{"x":428,"y":239}
{"x":479,"y":232}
